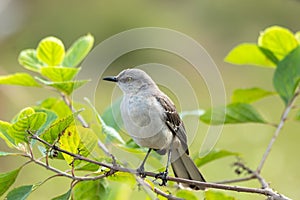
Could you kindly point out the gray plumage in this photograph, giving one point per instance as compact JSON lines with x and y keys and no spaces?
{"x":151,"y":119}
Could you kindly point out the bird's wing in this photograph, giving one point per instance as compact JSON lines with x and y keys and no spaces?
{"x":173,"y":120}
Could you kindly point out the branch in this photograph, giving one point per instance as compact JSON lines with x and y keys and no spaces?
{"x":114,"y":168}
{"x":277,"y":131}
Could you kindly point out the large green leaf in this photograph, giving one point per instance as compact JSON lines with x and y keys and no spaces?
{"x":7,"y":179}
{"x":29,"y":60}
{"x":280,"y":41}
{"x":90,"y":190}
{"x":59,"y":74}
{"x":22,"y":79}
{"x":109,"y":131}
{"x":78,"y":51}
{"x":232,"y":114}
{"x":57,"y":128}
{"x":249,"y":54}
{"x":213,"y":195}
{"x":27,"y":121}
{"x":249,"y":95}
{"x":51,"y":51}
{"x":287,"y":75}
{"x":20,"y":193}
{"x":65,"y":196}
{"x":66,"y":86}
{"x":213,"y":155}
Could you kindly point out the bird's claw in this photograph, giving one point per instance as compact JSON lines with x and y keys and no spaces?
{"x":141,"y":172}
{"x":163,"y":177}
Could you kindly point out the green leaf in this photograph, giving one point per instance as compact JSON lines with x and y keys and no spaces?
{"x":7,"y":179}
{"x":22,"y":79}
{"x":213,"y":195}
{"x":249,"y":95}
{"x":214,"y":155}
{"x":186,"y":194}
{"x":59,"y":74}
{"x":51,"y":117}
{"x":65,"y":196}
{"x":90,"y":190}
{"x":287,"y":75}
{"x":51,"y":51}
{"x":232,"y":114}
{"x":110,"y":132}
{"x":4,"y":134}
{"x":123,"y":177}
{"x":78,"y":51}
{"x":249,"y":54}
{"x":86,"y":166}
{"x":66,"y":86}
{"x":112,"y":115}
{"x":57,"y":128}
{"x":278,"y":40}
{"x":56,"y":105}
{"x":29,"y":60}
{"x":27,"y":121}
{"x":20,"y":193}
{"x":69,"y":141}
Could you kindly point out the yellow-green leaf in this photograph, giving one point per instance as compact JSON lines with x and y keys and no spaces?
{"x":66,"y":86}
{"x":280,"y":41}
{"x":97,"y":189}
{"x":29,"y":60}
{"x":22,"y":79}
{"x":69,"y":141}
{"x":59,"y":74}
{"x":51,"y":51}
{"x":249,"y":54}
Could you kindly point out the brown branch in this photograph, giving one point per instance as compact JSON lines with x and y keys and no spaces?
{"x":114,"y":168}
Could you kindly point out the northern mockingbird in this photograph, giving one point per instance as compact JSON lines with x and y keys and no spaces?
{"x":151,"y":119}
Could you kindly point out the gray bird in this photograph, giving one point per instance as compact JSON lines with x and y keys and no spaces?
{"x":152,"y":121}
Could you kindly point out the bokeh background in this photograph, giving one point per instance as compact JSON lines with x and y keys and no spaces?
{"x":217,"y":25}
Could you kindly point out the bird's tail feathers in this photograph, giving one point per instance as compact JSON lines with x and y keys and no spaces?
{"x":184,"y":167}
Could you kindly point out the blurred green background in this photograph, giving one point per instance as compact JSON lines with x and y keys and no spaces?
{"x":217,"y":25}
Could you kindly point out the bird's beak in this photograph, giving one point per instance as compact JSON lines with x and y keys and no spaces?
{"x":111,"y":78}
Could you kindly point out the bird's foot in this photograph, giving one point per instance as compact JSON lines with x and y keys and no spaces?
{"x":141,"y":171}
{"x":163,"y":177}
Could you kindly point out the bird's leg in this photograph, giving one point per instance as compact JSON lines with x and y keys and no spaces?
{"x":163,"y":175}
{"x":141,"y":168}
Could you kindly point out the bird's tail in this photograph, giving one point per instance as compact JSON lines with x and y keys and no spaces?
{"x":184,"y":167}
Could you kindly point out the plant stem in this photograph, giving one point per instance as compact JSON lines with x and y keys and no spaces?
{"x":277,"y":131}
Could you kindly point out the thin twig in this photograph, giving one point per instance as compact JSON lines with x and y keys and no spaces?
{"x":277,"y":131}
